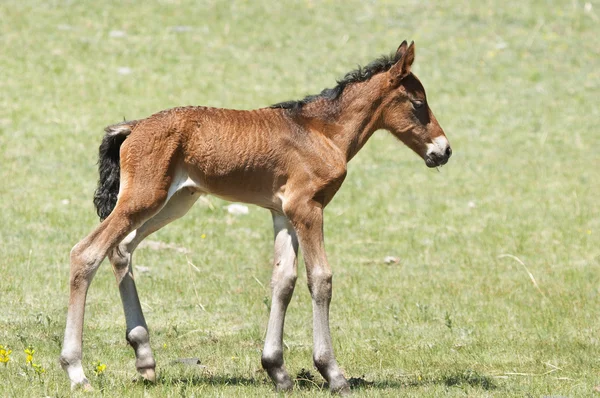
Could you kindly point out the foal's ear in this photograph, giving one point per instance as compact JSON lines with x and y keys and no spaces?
{"x":405,"y":56}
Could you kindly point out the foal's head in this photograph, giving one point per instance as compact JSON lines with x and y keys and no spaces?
{"x":406,"y":114}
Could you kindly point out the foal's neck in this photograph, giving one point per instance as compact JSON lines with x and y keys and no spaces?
{"x":350,"y":120}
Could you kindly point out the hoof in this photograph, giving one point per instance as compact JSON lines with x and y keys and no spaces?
{"x":285,"y":385}
{"x":87,"y":387}
{"x":281,"y":378}
{"x":148,"y":374}
{"x":84,"y":386}
{"x":341,"y":388}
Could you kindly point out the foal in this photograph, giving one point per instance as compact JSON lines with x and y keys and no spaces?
{"x":290,"y":158}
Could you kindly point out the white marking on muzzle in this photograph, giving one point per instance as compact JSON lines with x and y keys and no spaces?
{"x":438,"y":146}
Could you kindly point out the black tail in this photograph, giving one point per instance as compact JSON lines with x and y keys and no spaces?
{"x":105,"y":197}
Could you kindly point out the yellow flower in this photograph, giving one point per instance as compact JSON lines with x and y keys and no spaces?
{"x":4,"y":354}
{"x":29,"y":351}
{"x":38,"y":368}
{"x":100,"y":368}
{"x":203,"y":236}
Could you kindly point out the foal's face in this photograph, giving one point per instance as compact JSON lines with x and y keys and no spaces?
{"x":407,"y":115}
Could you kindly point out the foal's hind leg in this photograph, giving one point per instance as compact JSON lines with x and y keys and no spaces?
{"x":285,"y":262}
{"x":86,"y":257}
{"x":137,"y":331}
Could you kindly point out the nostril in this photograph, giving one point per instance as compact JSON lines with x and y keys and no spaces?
{"x":448,"y":152}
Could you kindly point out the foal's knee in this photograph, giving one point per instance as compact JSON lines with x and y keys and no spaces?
{"x":84,"y":263}
{"x":283,"y":288}
{"x":288,"y":282}
{"x":78,"y":255}
{"x":319,"y":284}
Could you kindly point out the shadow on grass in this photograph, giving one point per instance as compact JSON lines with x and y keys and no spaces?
{"x":305,"y":380}
{"x":456,"y":378}
{"x":225,"y":380}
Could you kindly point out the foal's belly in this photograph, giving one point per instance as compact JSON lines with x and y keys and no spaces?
{"x":238,"y":185}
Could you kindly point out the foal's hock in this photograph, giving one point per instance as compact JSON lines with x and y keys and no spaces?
{"x":290,"y":158}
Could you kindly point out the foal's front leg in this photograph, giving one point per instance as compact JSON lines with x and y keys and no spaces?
{"x":285,"y":261}
{"x":308,"y":222}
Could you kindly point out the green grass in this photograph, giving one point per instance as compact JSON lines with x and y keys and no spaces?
{"x":515,"y":86}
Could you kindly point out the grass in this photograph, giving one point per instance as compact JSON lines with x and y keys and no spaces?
{"x":515,"y":86}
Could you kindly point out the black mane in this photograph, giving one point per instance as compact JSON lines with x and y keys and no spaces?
{"x":381,"y":64}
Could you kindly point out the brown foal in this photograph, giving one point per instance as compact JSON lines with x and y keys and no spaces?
{"x":290,"y":158}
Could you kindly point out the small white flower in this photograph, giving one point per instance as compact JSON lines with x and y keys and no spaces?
{"x":124,"y":70}
{"x":391,"y":260}
{"x":117,"y":33}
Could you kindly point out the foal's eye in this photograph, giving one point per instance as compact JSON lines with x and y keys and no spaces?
{"x":418,"y":104}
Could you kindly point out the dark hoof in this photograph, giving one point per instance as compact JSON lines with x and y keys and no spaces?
{"x":148,"y":374}
{"x":340,"y":387}
{"x":285,"y":385}
{"x":281,"y":378}
{"x":84,"y":386}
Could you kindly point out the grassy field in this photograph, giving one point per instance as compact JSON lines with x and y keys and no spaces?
{"x":496,"y":292}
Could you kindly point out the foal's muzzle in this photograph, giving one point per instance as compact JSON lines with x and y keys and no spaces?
{"x":438,"y":152}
